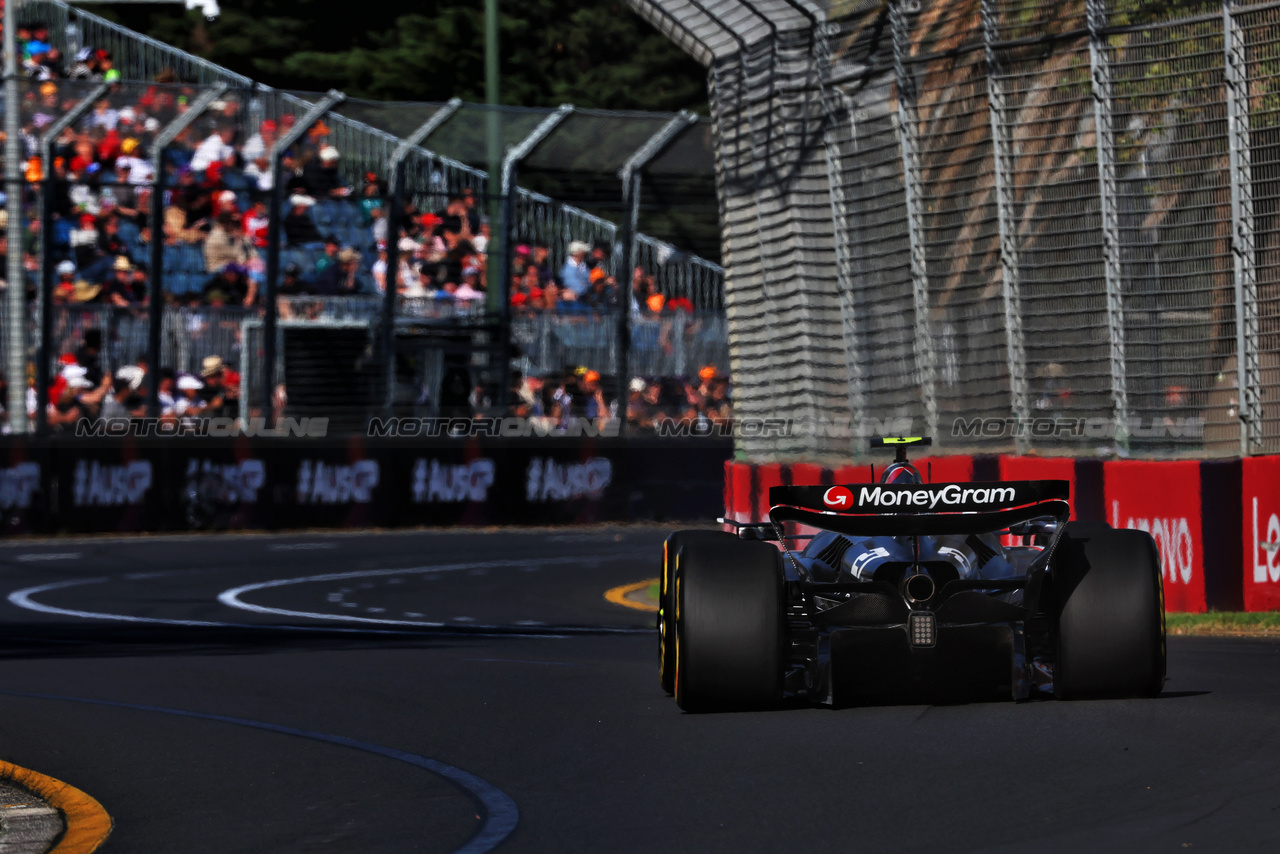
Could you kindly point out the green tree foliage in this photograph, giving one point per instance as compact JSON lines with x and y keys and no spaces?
{"x":593,"y":53}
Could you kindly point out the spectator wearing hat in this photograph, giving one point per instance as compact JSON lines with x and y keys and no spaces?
{"x":189,"y":404}
{"x":575,"y":275}
{"x":299,"y":228}
{"x":259,"y":145}
{"x":122,"y":400}
{"x":84,"y":241}
{"x":603,"y":293}
{"x":321,"y":176}
{"x":591,"y":394}
{"x":85,"y":293}
{"x":526,"y":291}
{"x":65,"y":286}
{"x":219,"y":398}
{"x":636,"y":406}
{"x":225,"y":202}
{"x":84,"y":65}
{"x":370,"y":200}
{"x":76,"y":397}
{"x":107,"y":65}
{"x":339,"y":277}
{"x":119,"y":289}
{"x":412,"y":283}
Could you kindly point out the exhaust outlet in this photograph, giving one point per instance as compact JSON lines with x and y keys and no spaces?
{"x":919,"y":588}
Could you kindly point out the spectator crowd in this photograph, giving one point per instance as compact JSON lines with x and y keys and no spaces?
{"x":214,"y":225}
{"x":557,"y":402}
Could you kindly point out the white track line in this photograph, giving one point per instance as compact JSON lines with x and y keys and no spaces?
{"x":232,"y":598}
{"x":24,"y":599}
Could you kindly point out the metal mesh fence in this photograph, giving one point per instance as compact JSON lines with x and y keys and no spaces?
{"x":1052,"y":226}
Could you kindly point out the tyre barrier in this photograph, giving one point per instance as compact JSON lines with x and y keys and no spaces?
{"x":1216,"y":523}
{"x":49,"y":487}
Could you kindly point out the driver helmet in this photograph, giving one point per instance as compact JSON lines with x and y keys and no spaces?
{"x":901,"y":473}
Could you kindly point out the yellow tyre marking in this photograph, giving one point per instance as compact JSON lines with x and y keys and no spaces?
{"x":676,"y":683}
{"x":88,"y":824}
{"x":618,"y":596}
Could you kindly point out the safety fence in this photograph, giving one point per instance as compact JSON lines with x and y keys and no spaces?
{"x":1019,"y":224}
{"x":550,"y":345}
{"x":675,"y":346}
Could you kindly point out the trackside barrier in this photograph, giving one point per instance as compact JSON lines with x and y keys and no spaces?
{"x":274,"y":483}
{"x":1215,"y":522}
{"x":1261,"y":542}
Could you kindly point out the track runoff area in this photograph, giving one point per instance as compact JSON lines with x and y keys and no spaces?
{"x":449,"y":692}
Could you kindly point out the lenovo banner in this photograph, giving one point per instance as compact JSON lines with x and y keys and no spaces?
{"x":1163,"y":499}
{"x":1261,"y":482}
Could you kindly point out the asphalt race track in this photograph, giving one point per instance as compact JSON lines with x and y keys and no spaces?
{"x":454,"y":691}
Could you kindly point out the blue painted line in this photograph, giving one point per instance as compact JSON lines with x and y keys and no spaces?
{"x":499,"y":813}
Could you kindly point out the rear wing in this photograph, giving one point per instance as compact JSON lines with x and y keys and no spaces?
{"x":876,"y":509}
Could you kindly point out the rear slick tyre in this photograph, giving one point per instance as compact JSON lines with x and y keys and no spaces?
{"x":1110,"y":626}
{"x":666,"y":599}
{"x":730,"y":628}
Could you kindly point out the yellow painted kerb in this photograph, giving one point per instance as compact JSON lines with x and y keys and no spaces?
{"x":88,"y":824}
{"x":618,"y":595}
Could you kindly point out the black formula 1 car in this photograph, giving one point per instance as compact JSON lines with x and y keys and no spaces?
{"x":910,"y":589}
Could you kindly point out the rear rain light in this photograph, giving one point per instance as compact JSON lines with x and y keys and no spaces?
{"x":922,"y":628}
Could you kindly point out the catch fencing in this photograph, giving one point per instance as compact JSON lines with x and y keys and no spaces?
{"x":1023,"y":225}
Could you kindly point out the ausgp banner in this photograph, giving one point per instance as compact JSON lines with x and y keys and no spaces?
{"x":1261,"y":492}
{"x":1163,"y":499}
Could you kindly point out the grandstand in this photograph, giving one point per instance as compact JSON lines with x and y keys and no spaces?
{"x":208,"y":253}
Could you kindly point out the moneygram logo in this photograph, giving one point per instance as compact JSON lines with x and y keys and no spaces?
{"x":947,"y":496}
{"x":838,"y":498}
